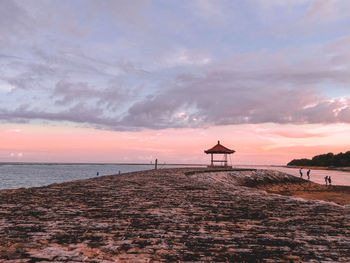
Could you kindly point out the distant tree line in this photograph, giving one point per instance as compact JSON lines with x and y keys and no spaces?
{"x":329,"y":159}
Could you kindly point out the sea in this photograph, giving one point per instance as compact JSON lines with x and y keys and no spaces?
{"x":17,"y":175}
{"x":14,"y":175}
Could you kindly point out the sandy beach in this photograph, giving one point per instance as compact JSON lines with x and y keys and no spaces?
{"x":177,"y":214}
{"x":309,"y":190}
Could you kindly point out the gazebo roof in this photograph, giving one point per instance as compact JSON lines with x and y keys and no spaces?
{"x":219,"y":149}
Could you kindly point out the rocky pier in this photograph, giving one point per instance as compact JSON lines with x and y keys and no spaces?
{"x":172,"y":215}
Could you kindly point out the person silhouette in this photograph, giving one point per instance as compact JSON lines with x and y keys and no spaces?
{"x":329,"y":180}
{"x":326,"y":179}
{"x":301,"y":172}
{"x":308,"y":174}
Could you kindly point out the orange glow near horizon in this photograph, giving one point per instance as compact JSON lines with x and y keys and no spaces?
{"x":253,"y":143}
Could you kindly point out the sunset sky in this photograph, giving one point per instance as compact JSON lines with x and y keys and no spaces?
{"x":135,"y":80}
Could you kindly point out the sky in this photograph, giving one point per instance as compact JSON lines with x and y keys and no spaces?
{"x":135,"y":80}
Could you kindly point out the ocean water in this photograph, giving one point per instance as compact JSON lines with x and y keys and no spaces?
{"x":33,"y":175}
{"x":16,"y":176}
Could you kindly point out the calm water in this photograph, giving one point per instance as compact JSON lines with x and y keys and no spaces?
{"x":16,"y":176}
{"x":317,"y":176}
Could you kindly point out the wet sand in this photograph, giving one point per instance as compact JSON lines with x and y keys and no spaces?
{"x":309,"y":190}
{"x":170,"y":215}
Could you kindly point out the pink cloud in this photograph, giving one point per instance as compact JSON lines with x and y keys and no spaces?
{"x":297,"y":134}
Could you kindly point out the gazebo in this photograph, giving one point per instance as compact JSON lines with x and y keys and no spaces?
{"x":219,"y":149}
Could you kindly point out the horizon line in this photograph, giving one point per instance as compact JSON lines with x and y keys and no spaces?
{"x":117,"y":163}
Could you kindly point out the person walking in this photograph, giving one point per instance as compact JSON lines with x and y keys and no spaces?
{"x":308,"y":174}
{"x":326,"y":179}
{"x":329,"y":180}
{"x":301,"y":172}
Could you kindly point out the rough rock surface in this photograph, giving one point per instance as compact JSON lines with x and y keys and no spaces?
{"x":171,"y":215}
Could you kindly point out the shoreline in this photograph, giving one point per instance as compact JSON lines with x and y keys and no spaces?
{"x":341,"y":169}
{"x":339,"y":194}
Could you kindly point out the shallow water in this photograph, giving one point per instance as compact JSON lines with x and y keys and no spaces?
{"x":17,"y":176}
{"x":317,"y":176}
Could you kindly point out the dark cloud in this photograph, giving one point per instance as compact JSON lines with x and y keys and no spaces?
{"x":214,"y":95}
{"x":79,"y":113}
{"x":111,"y":97}
{"x":203,"y":103}
{"x":344,"y":114}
